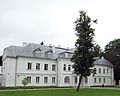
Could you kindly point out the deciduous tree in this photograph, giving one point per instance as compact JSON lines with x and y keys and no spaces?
{"x":85,"y":48}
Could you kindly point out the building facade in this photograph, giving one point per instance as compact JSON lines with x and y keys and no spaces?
{"x":48,"y":66}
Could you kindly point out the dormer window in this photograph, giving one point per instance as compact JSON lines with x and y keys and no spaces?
{"x":49,"y":53}
{"x":37,"y":52}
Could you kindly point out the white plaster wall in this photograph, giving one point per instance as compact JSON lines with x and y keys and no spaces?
{"x":108,"y":76}
{"x":8,"y":74}
{"x":22,"y":71}
{"x":62,"y":74}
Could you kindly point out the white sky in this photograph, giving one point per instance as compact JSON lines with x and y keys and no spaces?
{"x":51,"y":21}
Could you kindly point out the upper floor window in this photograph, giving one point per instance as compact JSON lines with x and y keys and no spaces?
{"x":29,"y":79}
{"x":104,"y":71}
{"x":37,"y":66}
{"x":29,"y":66}
{"x":69,"y":67}
{"x":67,"y":79}
{"x":53,"y":67}
{"x":99,"y":70}
{"x":107,"y":71}
{"x":45,"y":66}
{"x":64,"y":67}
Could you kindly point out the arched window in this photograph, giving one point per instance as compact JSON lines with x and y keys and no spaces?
{"x":67,"y":79}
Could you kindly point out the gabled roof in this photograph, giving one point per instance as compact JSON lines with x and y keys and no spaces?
{"x":28,"y":50}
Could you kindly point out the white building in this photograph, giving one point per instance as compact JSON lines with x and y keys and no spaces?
{"x":48,"y":66}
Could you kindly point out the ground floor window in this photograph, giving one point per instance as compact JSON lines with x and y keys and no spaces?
{"x":95,"y":80}
{"x":67,"y":79}
{"x":103,"y":80}
{"x":37,"y":79}
{"x":53,"y":79}
{"x":86,"y":79}
{"x":29,"y":79}
{"x":45,"y":79}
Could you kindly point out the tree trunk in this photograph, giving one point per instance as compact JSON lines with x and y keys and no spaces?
{"x":80,"y":79}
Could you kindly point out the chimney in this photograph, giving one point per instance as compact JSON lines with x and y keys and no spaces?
{"x":24,"y":44}
{"x":59,"y":46}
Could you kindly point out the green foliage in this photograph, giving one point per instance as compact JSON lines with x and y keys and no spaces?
{"x":112,"y":53}
{"x":25,"y":81}
{"x":85,"y":48}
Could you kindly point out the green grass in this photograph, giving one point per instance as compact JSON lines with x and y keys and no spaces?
{"x":63,"y":92}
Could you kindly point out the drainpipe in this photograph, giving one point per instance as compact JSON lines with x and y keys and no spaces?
{"x":16,"y":72}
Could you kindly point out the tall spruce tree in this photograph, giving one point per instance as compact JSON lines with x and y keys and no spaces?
{"x":85,"y":48}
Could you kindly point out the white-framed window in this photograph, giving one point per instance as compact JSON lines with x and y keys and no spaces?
{"x":99,"y":70}
{"x":53,"y":79}
{"x":37,"y":79}
{"x":37,"y":66}
{"x":107,"y":71}
{"x":67,"y":79}
{"x":45,"y":79}
{"x":86,"y":79}
{"x":103,"y":71}
{"x":104,"y":80}
{"x":29,"y":79}
{"x":95,"y":80}
{"x":53,"y":67}
{"x":75,"y":78}
{"x":99,"y":80}
{"x":45,"y":66}
{"x":69,"y":67}
{"x":29,"y":65}
{"x":64,"y":67}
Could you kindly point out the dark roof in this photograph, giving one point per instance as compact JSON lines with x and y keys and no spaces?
{"x":35,"y":50}
{"x":102,"y":61}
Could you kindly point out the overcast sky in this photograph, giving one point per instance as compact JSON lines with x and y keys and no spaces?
{"x":51,"y":21}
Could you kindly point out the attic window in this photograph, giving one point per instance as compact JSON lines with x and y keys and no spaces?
{"x":38,"y":49}
{"x":37,"y":52}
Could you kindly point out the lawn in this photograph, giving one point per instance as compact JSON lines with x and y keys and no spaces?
{"x":63,"y":92}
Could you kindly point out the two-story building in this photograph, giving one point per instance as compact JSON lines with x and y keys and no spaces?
{"x":48,"y":66}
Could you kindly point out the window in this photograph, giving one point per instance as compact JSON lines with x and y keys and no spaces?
{"x":53,"y":67}
{"x":86,"y":80}
{"x":37,"y":79}
{"x":107,"y":71}
{"x":64,"y":67}
{"x":99,"y":80}
{"x":95,"y":80}
{"x":66,"y":79}
{"x":99,"y":70}
{"x":45,"y":79}
{"x":45,"y":66}
{"x":29,"y":79}
{"x":29,"y":66}
{"x":104,"y":71}
{"x":37,"y":66}
{"x":75,"y":79}
{"x":53,"y":79}
{"x":103,"y":80}
{"x":69,"y":68}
